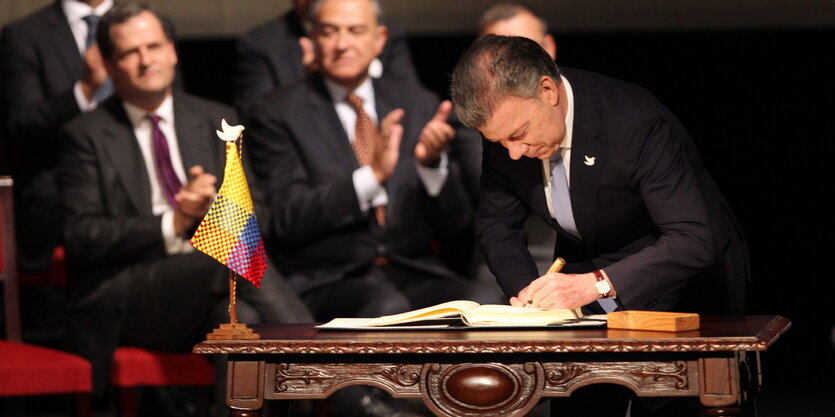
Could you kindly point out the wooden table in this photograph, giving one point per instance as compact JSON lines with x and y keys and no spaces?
{"x":499,"y":373}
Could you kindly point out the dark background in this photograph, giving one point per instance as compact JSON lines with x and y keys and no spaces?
{"x":759,"y":106}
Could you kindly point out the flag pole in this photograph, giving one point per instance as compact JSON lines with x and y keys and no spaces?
{"x":233,"y":329}
{"x":233,"y":310}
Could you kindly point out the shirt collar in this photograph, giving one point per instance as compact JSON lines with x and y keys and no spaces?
{"x":165,"y":111}
{"x":569,"y":120}
{"x":338,"y":93}
{"x":76,"y":10}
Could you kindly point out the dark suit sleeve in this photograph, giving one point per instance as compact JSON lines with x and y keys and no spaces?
{"x":466,"y":150}
{"x":673,"y":200}
{"x":397,"y":57}
{"x":28,"y":110}
{"x":500,"y":225}
{"x":451,"y":211}
{"x":93,"y":233}
{"x":301,"y":211}
{"x":253,"y":77}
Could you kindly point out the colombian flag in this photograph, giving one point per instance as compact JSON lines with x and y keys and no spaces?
{"x":229,"y":231}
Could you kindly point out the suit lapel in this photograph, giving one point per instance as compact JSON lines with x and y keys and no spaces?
{"x":386,"y":101}
{"x":339,"y":145}
{"x":123,"y":150}
{"x":194,"y":138}
{"x":538,"y":193}
{"x":585,"y":171}
{"x":62,"y":41}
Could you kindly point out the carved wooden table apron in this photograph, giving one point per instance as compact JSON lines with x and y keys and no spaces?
{"x":499,"y":373}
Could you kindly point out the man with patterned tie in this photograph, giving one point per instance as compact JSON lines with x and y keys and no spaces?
{"x":360,"y":183}
{"x":136,"y":177}
{"x":638,"y":218}
{"x":51,"y":71}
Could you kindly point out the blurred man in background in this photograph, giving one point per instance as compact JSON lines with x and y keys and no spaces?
{"x":137,"y":175}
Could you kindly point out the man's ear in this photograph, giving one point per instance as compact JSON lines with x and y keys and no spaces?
{"x":549,"y":91}
{"x":550,"y":46}
{"x":382,"y":37}
{"x":173,"y":47}
{"x":108,"y":67}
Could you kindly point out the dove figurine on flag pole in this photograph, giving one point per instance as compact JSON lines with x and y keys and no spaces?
{"x":229,"y":232}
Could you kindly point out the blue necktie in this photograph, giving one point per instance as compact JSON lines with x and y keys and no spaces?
{"x":105,"y":90}
{"x":561,"y":200}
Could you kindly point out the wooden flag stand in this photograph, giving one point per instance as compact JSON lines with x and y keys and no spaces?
{"x":233,"y":329}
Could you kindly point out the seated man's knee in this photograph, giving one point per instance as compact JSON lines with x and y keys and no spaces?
{"x":482,"y":293}
{"x":378,"y":300}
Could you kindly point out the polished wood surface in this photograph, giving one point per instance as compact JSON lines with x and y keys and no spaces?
{"x":473,"y":373}
{"x":751,"y":333}
{"x":664,"y":321}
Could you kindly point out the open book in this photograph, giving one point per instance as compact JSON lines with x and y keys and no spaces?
{"x":463,"y":313}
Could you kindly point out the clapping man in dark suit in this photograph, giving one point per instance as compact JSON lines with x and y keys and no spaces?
{"x":355,"y":220}
{"x":360,"y":184}
{"x":51,"y":71}
{"x":136,"y":176}
{"x":611,"y":170}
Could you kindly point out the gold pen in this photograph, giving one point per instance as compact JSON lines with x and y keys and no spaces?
{"x":555,"y":267}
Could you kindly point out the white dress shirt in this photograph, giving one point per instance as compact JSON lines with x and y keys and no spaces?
{"x":371,"y":193}
{"x":142,"y":126}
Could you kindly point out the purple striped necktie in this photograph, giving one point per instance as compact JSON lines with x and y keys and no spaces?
{"x":168,"y":180}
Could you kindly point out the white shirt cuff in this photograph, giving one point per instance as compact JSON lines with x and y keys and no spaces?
{"x":83,"y":104}
{"x":369,"y":192}
{"x":174,"y":244}
{"x":433,"y":179}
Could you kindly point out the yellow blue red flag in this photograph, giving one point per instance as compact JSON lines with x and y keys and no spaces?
{"x":229,"y":232}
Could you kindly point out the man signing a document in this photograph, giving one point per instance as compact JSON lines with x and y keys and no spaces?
{"x":638,"y":219}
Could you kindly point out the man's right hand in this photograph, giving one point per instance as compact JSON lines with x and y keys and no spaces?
{"x":194,"y":199}
{"x":94,"y":73}
{"x":388,"y":149}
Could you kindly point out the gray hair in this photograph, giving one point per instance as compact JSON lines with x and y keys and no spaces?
{"x":505,"y":11}
{"x":317,"y":4}
{"x":494,"y":68}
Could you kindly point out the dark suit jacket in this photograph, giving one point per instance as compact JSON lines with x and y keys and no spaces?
{"x":40,"y":64}
{"x":302,"y":155}
{"x":269,"y":57}
{"x":106,"y":195}
{"x":647,"y":211}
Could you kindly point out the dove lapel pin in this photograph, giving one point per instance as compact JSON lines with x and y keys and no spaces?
{"x":589,"y":160}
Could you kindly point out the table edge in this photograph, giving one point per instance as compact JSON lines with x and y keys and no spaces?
{"x":761,"y":342}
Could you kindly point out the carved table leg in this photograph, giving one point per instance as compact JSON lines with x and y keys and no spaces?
{"x":245,"y":388}
{"x":719,"y":385}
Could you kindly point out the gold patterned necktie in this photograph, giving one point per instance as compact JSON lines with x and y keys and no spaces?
{"x":366,"y":140}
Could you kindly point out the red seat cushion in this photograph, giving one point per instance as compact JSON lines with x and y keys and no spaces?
{"x":56,"y":275}
{"x":134,"y":366}
{"x":30,"y":370}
